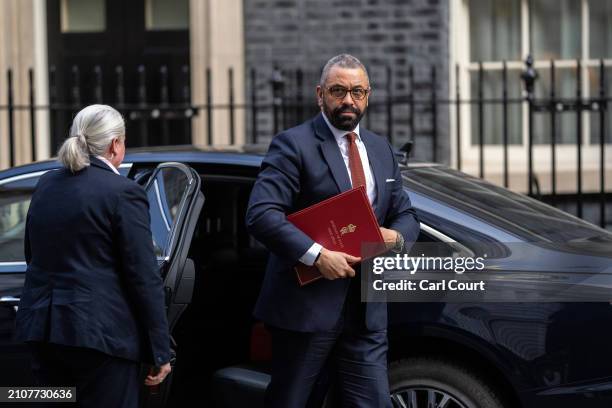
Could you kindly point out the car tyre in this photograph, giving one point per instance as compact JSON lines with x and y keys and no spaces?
{"x":422,"y":379}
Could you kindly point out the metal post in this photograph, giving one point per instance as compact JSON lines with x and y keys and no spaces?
{"x":75,"y":92}
{"x":185,"y":91}
{"x":389,"y":105}
{"x":276,"y":81}
{"x":142,"y":100}
{"x":283,"y":100}
{"x":253,"y":106}
{"x":480,"y":120}
{"x":299,"y":83}
{"x":411,"y":104}
{"x":11,"y":124}
{"x":505,"y":120}
{"x":98,"y":84}
{"x":119,"y":91}
{"x":76,"y":87}
{"x":209,"y":118}
{"x":529,"y":77}
{"x":52,"y":107}
{"x":230,"y":74}
{"x":434,"y":113}
{"x":163,"y":91}
{"x":165,"y":100}
{"x":553,"y":132}
{"x":458,"y":114}
{"x":186,"y":97}
{"x":603,"y":107}
{"x":119,"y":88}
{"x":578,"y":139}
{"x":32,"y":113}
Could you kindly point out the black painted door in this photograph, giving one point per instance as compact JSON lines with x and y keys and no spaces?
{"x":116,"y":52}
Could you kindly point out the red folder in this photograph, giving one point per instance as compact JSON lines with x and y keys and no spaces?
{"x":341,"y":223}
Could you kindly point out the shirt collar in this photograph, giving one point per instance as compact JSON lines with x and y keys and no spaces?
{"x":109,"y":164}
{"x":339,"y":134}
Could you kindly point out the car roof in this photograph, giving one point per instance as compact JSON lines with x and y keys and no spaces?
{"x":244,"y":155}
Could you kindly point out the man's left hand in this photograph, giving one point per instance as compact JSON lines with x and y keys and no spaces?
{"x":157,"y":374}
{"x":389,"y":236}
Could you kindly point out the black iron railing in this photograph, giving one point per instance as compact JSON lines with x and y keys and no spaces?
{"x":277,"y":99}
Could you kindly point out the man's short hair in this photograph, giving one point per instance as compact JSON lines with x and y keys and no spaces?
{"x":342,"y":61}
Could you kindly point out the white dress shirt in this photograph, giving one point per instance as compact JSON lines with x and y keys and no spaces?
{"x":309,"y":257}
{"x":109,"y":164}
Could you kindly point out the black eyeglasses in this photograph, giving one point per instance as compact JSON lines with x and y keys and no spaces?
{"x":356,"y":93}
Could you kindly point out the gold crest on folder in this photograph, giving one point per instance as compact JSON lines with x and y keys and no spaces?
{"x":347,"y":229}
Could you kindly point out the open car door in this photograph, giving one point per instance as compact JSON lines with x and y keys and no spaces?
{"x":175,"y":202}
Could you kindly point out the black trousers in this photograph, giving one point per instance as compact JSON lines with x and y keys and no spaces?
{"x":355,"y":357}
{"x":100,"y":380}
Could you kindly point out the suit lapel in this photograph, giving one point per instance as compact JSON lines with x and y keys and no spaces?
{"x":331,"y":153}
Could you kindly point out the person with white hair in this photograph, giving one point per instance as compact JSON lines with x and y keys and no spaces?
{"x":92,"y":304}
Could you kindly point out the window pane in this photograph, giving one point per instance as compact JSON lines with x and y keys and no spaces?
{"x":595,"y":116}
{"x":83,"y":15}
{"x":600,"y":28}
{"x":495,"y":30}
{"x":167,"y":14}
{"x":556,"y":26}
{"x":565,"y":87}
{"x":493,"y":115}
{"x":165,"y":196}
{"x":14,"y":206}
{"x":522,"y":215}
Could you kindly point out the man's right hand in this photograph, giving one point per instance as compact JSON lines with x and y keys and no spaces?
{"x":334,"y":264}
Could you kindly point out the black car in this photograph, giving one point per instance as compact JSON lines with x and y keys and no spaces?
{"x":442,"y":354}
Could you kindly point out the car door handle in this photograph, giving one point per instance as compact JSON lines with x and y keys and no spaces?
{"x":11,"y":301}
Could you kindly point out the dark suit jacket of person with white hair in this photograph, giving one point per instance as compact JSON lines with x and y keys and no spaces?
{"x":92,"y":304}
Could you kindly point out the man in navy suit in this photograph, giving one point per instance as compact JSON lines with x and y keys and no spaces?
{"x":326,"y":320}
{"x":92,"y":305}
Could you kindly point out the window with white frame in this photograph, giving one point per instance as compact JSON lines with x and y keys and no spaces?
{"x":570,"y":32}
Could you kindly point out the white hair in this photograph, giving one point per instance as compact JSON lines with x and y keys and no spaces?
{"x":93,"y":129}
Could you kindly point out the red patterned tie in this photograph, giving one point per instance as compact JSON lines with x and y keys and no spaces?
{"x":355,"y":165}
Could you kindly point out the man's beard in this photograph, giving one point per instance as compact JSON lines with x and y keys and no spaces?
{"x":343,"y":122}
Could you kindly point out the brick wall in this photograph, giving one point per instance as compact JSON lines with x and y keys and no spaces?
{"x":304,"y":34}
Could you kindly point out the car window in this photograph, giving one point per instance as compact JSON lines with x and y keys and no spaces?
{"x":15,"y":196}
{"x":141,"y":173}
{"x":518,"y":214}
{"x":14,"y":203}
{"x":166,"y":194}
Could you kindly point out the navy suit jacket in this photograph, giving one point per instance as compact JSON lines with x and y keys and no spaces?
{"x":304,"y":166}
{"x":92,"y":279}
